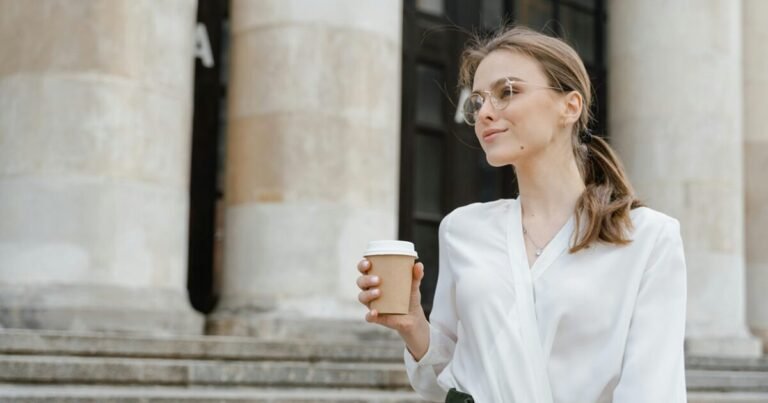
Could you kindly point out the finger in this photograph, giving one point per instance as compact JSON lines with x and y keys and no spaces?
{"x":366,"y":282}
{"x":418,"y":271}
{"x":372,"y":316}
{"x":363,"y":266}
{"x":418,"y":274}
{"x":365,"y":297}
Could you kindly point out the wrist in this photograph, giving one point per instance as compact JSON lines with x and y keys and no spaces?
{"x":416,"y":338}
{"x":414,"y":326}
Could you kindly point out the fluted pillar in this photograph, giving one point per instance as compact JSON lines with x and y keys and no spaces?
{"x":756,"y":164}
{"x":312,"y":156}
{"x":95,"y":103}
{"x":675,"y":117}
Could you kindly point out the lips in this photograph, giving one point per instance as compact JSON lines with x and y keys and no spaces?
{"x":490,"y":133}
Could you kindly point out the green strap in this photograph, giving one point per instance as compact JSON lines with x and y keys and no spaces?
{"x":454,"y":396}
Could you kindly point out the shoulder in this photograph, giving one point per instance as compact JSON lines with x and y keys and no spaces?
{"x":653,"y":225}
{"x":476,"y":213}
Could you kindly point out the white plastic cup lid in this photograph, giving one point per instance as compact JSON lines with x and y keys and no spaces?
{"x":391,"y":248}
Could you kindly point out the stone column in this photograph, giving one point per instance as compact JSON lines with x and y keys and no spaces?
{"x":95,"y":104}
{"x":756,"y":164}
{"x":313,"y":156}
{"x":675,"y":117}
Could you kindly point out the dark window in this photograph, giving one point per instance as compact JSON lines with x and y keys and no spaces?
{"x":492,"y":13}
{"x":585,"y":4}
{"x":536,"y":14}
{"x":427,"y":201}
{"x":429,"y":106}
{"x":435,"y":7}
{"x":579,"y":29}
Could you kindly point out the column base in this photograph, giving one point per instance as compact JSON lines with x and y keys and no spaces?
{"x":284,"y":324}
{"x":742,"y":347}
{"x":100,"y":308}
{"x":762,"y":334}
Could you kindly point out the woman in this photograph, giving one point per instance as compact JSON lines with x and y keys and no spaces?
{"x":573,"y":292}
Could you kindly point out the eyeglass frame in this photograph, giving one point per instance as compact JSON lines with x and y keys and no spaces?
{"x":510,"y":81}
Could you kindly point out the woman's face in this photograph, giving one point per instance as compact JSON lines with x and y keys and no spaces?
{"x":531,"y":119}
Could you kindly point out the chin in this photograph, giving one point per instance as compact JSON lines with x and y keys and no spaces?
{"x":495,"y":163}
{"x":500,"y":160}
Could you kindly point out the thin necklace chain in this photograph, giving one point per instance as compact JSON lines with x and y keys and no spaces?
{"x":539,"y":250}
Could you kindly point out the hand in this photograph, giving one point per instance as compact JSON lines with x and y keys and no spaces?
{"x":404,"y":324}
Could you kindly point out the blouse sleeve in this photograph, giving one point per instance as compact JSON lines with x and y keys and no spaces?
{"x":442,"y":329}
{"x":653,"y":369}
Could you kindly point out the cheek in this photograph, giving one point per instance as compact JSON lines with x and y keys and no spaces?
{"x":530,"y":125}
{"x":523,"y":122}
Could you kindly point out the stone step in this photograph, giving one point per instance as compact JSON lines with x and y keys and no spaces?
{"x":194,"y":347}
{"x":710,"y":380}
{"x":142,"y":371}
{"x":146,"y":371}
{"x":735,"y":397}
{"x":59,"y":358}
{"x":42,"y":342}
{"x":725,"y":364}
{"x":168,"y":394}
{"x":302,"y":328}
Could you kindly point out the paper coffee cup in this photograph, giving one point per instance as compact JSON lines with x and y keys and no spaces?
{"x":392,"y":262}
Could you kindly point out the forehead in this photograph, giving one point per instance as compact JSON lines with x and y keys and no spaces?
{"x":506,"y":63}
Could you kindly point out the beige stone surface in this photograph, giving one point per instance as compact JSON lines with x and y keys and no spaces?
{"x":137,"y":40}
{"x":382,"y":18}
{"x":756,"y":164}
{"x":83,"y":230}
{"x":314,"y":69}
{"x":309,"y":156}
{"x":93,"y":125}
{"x":675,"y":117}
{"x":313,"y":153}
{"x":95,"y":129}
{"x":283,"y":255}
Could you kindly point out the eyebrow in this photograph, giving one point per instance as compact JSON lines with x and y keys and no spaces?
{"x":501,"y":80}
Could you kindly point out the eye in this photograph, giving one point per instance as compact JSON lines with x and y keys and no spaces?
{"x":504,"y":92}
{"x":473,"y":103}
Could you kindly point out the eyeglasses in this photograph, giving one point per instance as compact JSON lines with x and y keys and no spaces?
{"x":500,"y":94}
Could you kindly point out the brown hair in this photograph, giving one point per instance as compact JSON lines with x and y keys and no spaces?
{"x":609,"y":196}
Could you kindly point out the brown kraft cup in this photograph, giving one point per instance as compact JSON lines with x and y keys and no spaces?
{"x":392,"y":262}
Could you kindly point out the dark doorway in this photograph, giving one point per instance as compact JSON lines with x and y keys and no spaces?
{"x":208,"y":135}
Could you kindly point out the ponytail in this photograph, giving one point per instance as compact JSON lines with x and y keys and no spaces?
{"x":603,"y":209}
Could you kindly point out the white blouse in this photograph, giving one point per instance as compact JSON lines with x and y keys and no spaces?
{"x":605,"y":324}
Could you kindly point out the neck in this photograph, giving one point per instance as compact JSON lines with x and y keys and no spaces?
{"x":550,"y":185}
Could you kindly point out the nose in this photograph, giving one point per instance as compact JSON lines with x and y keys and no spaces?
{"x":487,"y":112}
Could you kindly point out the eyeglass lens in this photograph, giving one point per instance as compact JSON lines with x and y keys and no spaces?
{"x":499,"y":96}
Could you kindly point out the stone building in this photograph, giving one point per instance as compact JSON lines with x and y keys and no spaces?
{"x":169,"y":167}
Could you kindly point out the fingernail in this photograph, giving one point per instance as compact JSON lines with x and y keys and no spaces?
{"x":365,"y":263}
{"x":375,"y":279}
{"x":375,"y":291}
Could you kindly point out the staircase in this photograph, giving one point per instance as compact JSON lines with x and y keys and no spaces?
{"x":46,"y":366}
{"x":727,"y":380}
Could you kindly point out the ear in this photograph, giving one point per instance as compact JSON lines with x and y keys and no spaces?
{"x":572,"y":106}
